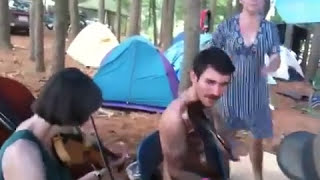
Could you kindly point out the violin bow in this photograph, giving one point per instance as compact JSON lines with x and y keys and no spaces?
{"x":104,"y":158}
{"x":6,"y":122}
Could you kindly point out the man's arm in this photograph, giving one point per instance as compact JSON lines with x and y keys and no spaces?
{"x":173,"y":143}
{"x":22,"y":160}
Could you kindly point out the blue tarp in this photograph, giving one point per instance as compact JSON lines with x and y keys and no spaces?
{"x":175,"y":53}
{"x":299,"y":11}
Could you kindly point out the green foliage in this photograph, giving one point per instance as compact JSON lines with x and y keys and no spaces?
{"x":146,"y":17}
{"x":125,"y":3}
{"x":179,"y":10}
{"x":276,"y":18}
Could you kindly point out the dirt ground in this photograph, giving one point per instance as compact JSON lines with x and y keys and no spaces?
{"x":131,"y":127}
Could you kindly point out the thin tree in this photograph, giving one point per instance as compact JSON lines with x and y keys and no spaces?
{"x":135,"y":18}
{"x":154,"y":16}
{"x":238,"y":7}
{"x":266,"y":7}
{"x":314,"y":54}
{"x":167,"y":22}
{"x":101,"y":11}
{"x":38,"y":30}
{"x":106,"y":18}
{"x":162,"y":25}
{"x":61,"y":11}
{"x":74,"y":18}
{"x":5,"y":41}
{"x":306,"y":52}
{"x":288,"y":36}
{"x":204,"y":4}
{"x":118,"y":20}
{"x":191,"y":45}
{"x":213,"y":13}
{"x":229,"y":8}
{"x":32,"y":55}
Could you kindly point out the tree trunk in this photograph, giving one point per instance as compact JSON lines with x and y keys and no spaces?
{"x":106,"y":17}
{"x":213,"y":14}
{"x":162,"y":25}
{"x":38,"y":30}
{"x":314,"y":55}
{"x":167,"y":22}
{"x":288,"y":36}
{"x":101,"y":11}
{"x":237,"y":9}
{"x":191,"y":45}
{"x":135,"y":16}
{"x":32,"y":55}
{"x":203,"y":4}
{"x":154,"y":15}
{"x":306,"y":53}
{"x":229,"y":8}
{"x":150,"y":13}
{"x":5,"y":41}
{"x":118,"y":20}
{"x":74,"y":18}
{"x":61,"y":10}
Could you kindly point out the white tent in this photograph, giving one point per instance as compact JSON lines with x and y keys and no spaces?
{"x":92,"y":44}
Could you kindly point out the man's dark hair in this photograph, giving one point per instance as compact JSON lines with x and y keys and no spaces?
{"x":68,"y":98}
{"x":215,"y":58}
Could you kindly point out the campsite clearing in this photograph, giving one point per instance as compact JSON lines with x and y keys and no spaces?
{"x":131,"y":127}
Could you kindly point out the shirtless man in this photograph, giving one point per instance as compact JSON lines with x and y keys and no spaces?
{"x":182,"y":148}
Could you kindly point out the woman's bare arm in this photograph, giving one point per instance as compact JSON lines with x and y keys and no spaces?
{"x":22,"y":160}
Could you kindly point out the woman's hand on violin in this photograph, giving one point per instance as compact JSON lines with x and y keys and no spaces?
{"x":95,"y":175}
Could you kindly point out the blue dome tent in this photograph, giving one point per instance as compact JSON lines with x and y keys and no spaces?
{"x":136,"y":75}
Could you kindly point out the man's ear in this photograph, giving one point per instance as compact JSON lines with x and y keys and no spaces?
{"x":193,"y":76}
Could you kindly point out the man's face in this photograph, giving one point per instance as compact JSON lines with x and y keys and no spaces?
{"x":210,"y":85}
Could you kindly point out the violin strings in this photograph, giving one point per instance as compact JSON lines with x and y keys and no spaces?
{"x":105,"y":160}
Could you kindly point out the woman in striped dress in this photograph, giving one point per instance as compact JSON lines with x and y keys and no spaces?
{"x":247,"y":37}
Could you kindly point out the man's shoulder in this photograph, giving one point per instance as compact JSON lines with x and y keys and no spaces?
{"x":174,"y":106}
{"x":172,"y":113}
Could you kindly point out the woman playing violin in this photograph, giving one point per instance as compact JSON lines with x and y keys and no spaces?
{"x":66,"y":101}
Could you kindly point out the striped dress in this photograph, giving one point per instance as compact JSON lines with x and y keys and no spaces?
{"x":245,"y":104}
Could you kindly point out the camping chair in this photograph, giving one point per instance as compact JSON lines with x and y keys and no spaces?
{"x":149,"y":157}
{"x":314,"y":98}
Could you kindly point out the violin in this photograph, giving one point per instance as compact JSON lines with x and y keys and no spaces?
{"x":77,"y":152}
{"x":73,"y":149}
